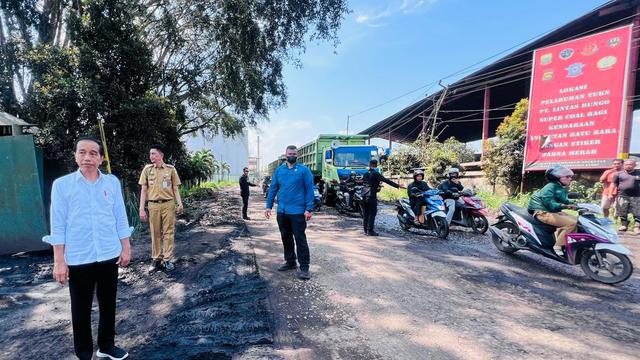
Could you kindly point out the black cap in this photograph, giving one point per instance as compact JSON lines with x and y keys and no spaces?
{"x":373,"y":162}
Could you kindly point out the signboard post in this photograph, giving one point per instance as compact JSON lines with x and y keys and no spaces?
{"x":577,"y":102}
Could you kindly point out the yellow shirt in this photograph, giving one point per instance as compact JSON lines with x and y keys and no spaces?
{"x":160,"y":181}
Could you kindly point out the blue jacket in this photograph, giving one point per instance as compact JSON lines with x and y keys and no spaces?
{"x":294,"y":188}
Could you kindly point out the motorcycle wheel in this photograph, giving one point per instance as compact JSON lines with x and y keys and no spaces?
{"x":510,"y":229}
{"x":479,"y":224}
{"x":406,"y":226}
{"x":613,"y":271}
{"x":441,"y":227}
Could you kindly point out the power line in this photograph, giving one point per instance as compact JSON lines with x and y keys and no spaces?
{"x":470,"y":67}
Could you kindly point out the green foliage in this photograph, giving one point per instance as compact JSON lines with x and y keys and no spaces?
{"x":436,"y":157}
{"x":433,"y":156}
{"x":392,"y":194}
{"x":502,"y":163}
{"x":202,"y":165}
{"x":493,"y":201}
{"x":403,"y":160}
{"x":591,"y":190}
{"x":153,"y":70}
{"x":202,"y":190}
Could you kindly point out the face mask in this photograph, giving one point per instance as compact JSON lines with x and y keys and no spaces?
{"x":292,"y":159}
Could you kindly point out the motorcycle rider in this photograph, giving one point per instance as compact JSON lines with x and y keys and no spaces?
{"x":415,"y":190}
{"x":347,"y":186}
{"x":546,"y":204}
{"x":451,"y":188}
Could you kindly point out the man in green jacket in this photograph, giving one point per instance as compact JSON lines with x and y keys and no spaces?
{"x":547,"y":204}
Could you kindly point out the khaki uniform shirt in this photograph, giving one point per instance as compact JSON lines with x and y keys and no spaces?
{"x":160,"y":181}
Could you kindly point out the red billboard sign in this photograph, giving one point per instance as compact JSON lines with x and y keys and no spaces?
{"x":576,"y":102}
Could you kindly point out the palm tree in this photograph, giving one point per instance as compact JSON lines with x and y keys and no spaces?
{"x":225,"y":167}
{"x":203,"y":164}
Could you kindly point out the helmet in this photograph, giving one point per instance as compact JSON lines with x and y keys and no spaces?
{"x":554,"y":173}
{"x":418,"y":172}
{"x":453,"y":170}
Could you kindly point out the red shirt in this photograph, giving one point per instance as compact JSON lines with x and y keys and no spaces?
{"x":607,"y":179}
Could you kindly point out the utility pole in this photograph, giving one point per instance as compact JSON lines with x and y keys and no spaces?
{"x":436,"y":108}
{"x":348,"y":125}
{"x":258,"y":159}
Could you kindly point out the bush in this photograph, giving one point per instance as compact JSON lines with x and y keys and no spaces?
{"x":502,"y":163}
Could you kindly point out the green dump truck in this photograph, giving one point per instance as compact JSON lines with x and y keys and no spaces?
{"x":331,"y":158}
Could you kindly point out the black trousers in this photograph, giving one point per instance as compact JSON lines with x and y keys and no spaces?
{"x":369,"y":209}
{"x":245,"y":204}
{"x":293,"y":226}
{"x":83,"y":280}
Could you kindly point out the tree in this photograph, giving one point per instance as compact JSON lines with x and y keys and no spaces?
{"x":436,"y":157}
{"x":221,"y":61}
{"x":154,"y":70}
{"x":404,"y":160}
{"x":225,"y":168}
{"x":502,"y":162}
{"x":203,"y":165}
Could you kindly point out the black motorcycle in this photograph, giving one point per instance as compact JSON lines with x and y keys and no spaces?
{"x":349,"y":198}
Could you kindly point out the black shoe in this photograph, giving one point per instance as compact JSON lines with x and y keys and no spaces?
{"x":155,"y":265}
{"x":115,"y":353}
{"x":304,"y":275}
{"x":287,"y":267}
{"x":168,"y":265}
{"x":366,"y":232}
{"x":246,"y":218}
{"x":372,"y":233}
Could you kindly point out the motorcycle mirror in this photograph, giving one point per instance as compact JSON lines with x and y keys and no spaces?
{"x":575,"y":195}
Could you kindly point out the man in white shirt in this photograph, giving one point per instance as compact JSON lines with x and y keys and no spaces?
{"x":90,"y":238}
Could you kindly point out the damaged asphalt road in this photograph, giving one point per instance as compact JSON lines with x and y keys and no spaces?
{"x":398,"y":296}
{"x":212,"y":306}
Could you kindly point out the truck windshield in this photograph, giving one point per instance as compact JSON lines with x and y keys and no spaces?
{"x":352,"y":157}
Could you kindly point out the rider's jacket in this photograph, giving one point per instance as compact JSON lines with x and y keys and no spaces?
{"x":450,"y":188}
{"x":416,"y":187}
{"x":550,"y":198}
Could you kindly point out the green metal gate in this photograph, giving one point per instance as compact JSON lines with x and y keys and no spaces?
{"x":23,"y":219}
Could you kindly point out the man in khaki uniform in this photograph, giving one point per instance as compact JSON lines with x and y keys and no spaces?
{"x":160,"y":183}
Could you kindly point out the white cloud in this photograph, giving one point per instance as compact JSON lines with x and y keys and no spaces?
{"x":373,"y":17}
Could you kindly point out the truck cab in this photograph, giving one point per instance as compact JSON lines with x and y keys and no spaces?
{"x":340,"y":161}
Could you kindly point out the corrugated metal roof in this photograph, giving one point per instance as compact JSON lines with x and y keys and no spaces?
{"x":8,"y":120}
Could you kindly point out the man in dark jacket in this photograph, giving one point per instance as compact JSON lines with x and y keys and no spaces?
{"x":372,"y":181}
{"x":415,"y":191}
{"x":451,"y":188}
{"x":244,"y":191}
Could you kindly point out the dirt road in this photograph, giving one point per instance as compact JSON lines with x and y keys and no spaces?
{"x":212,"y":306}
{"x":410,"y":296}
{"x":397,"y":296}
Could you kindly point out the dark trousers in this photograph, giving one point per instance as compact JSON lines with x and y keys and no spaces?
{"x":245,"y":204}
{"x":369,"y":209}
{"x":83,"y":280}
{"x":292,"y":226}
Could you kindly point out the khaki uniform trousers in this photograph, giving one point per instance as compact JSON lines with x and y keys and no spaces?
{"x":162,"y":220}
{"x":564,"y":222}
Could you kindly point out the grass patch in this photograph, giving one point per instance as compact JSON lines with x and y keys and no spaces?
{"x":392,"y":194}
{"x":494,"y":201}
{"x":200,"y":191}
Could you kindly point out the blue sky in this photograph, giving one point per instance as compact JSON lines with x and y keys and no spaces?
{"x":391,"y":47}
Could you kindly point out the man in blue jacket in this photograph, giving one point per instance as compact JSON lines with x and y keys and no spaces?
{"x":293,"y":184}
